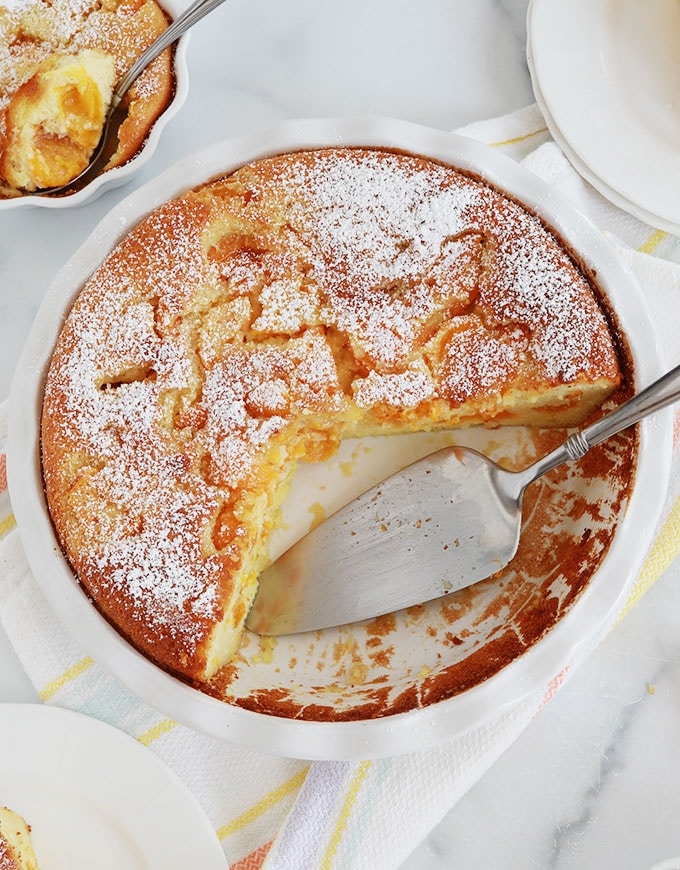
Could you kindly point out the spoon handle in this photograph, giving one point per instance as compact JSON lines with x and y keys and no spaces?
{"x":192,"y":14}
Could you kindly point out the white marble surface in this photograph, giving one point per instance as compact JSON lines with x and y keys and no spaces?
{"x":595,"y":780}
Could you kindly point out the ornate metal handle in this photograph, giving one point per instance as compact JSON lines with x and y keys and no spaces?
{"x":656,"y":396}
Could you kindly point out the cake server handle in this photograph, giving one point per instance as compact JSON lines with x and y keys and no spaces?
{"x":652,"y":398}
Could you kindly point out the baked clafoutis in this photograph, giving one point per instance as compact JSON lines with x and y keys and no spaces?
{"x":59,"y":61}
{"x":259,"y":319}
{"x":16,"y":848}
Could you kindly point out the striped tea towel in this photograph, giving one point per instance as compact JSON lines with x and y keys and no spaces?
{"x":282,"y":814}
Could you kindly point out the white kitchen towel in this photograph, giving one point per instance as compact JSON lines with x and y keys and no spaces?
{"x":283,"y":814}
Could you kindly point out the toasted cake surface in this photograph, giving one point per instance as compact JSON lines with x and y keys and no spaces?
{"x":36,"y":33}
{"x":16,"y":849}
{"x":258,"y":320}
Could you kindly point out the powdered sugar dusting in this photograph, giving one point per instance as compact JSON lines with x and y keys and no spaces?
{"x":376,"y":218}
{"x":252,"y":395}
{"x":270,"y":309}
{"x":408,"y":388}
{"x":477,"y":363}
{"x":125,"y":352}
{"x":380,"y":220}
{"x":162,"y":573}
{"x":377,"y":221}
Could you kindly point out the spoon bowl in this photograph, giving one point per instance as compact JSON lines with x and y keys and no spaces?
{"x":117,"y":111}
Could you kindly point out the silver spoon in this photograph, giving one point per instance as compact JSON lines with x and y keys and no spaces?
{"x":116,"y":113}
{"x":439,"y":525}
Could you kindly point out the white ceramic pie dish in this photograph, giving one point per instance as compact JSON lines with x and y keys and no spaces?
{"x":355,"y":730}
{"x":120,"y":175}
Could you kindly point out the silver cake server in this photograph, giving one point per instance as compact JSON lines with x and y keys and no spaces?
{"x":438,"y":525}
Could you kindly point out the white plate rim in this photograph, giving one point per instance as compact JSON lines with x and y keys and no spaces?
{"x":637,"y":178}
{"x":143,"y":797}
{"x":587,"y":173}
{"x":120,"y":175}
{"x":394,"y":734}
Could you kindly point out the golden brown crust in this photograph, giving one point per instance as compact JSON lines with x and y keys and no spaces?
{"x":258,"y":320}
{"x":32,"y":32}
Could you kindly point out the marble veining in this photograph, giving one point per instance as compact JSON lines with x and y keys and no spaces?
{"x":592,"y":783}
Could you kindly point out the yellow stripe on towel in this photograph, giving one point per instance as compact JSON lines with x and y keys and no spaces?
{"x":157,"y":731}
{"x":663,"y":552}
{"x":7,"y":524}
{"x":341,"y":824}
{"x":260,"y":808}
{"x":69,"y":674}
{"x":516,"y":139}
{"x":653,"y":242}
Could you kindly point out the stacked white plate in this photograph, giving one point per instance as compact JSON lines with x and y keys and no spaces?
{"x":606,"y":75}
